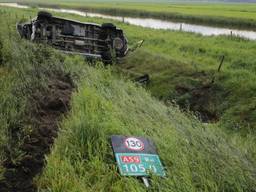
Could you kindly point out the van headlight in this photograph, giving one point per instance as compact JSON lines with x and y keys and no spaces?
{"x":118,"y":43}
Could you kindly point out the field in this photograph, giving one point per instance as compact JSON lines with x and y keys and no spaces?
{"x":99,"y":101}
{"x":227,"y":15}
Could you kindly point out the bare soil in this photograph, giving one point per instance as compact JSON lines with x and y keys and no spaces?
{"x":46,"y":109}
{"x":201,"y":98}
{"x":198,"y":101}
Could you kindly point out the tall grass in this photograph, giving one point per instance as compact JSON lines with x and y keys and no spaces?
{"x":174,"y":58}
{"x":196,"y":157}
{"x":25,"y":70}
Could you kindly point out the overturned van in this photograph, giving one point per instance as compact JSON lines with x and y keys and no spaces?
{"x":104,"y":41}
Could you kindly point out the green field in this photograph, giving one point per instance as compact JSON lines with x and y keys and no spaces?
{"x":196,"y":156}
{"x":228,"y":15}
{"x":179,"y":63}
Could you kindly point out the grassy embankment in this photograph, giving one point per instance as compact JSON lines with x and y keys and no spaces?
{"x":196,"y":157}
{"x":227,"y":15}
{"x":181,"y":64}
{"x":29,"y":105}
{"x":188,"y":61}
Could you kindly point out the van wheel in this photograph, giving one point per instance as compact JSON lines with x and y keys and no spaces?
{"x":110,"y":26}
{"x":44,"y":15}
{"x":106,"y":57}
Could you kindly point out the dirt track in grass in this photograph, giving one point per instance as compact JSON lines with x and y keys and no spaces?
{"x":46,"y":110}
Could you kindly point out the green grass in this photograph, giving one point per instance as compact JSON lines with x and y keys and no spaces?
{"x":173,"y":59}
{"x":177,"y":59}
{"x":196,"y":157}
{"x":228,"y":15}
{"x":186,"y":55}
{"x":24,"y":69}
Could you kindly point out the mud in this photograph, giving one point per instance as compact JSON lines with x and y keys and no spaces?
{"x":200,"y":99}
{"x":46,"y":109}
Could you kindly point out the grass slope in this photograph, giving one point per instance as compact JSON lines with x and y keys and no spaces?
{"x":192,"y":61}
{"x":189,"y":60}
{"x":25,"y":72}
{"x":196,"y":157}
{"x":177,"y":59}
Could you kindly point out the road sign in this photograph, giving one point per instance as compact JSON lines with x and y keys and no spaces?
{"x":136,"y":156}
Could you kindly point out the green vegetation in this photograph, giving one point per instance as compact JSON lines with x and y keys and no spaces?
{"x":177,"y":60}
{"x":197,"y":157}
{"x":174,"y":59}
{"x":25,"y":73}
{"x":180,"y":62}
{"x":231,"y":15}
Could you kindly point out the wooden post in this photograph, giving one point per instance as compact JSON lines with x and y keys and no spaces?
{"x":221,"y":62}
{"x":181,"y":27}
{"x":219,"y":68}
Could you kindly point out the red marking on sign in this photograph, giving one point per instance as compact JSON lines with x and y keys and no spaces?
{"x":130,"y":159}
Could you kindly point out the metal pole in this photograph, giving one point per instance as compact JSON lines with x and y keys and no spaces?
{"x":145,"y":181}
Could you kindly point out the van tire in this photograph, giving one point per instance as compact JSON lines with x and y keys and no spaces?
{"x":44,"y":15}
